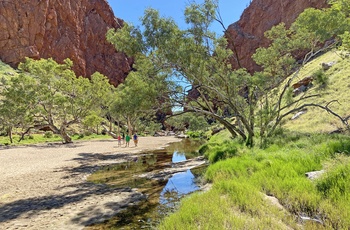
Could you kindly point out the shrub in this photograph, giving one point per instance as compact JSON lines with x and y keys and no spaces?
{"x":204,"y":148}
{"x":196,"y":134}
{"x":86,"y":133}
{"x":336,"y":183}
{"x":221,"y":152}
{"x":339,"y":147}
{"x":321,"y":77}
{"x":48,"y":134}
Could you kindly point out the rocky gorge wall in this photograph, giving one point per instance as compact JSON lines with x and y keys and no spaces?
{"x":62,"y":29}
{"x":247,"y":34}
{"x":76,"y":29}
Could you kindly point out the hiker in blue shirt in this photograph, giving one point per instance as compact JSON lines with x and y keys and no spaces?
{"x":135,"y":139}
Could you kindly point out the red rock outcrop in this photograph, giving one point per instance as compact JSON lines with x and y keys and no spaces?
{"x":62,"y":29}
{"x":247,"y":34}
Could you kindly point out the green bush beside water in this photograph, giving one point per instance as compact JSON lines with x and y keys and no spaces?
{"x":242,"y":178}
{"x":47,"y":137}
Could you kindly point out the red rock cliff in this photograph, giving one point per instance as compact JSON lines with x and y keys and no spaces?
{"x":62,"y":29}
{"x":260,"y":16}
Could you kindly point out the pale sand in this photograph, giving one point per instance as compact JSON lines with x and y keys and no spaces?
{"x":45,"y":187}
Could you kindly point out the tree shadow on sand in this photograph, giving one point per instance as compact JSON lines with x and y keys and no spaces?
{"x":33,"y":206}
{"x":76,"y":194}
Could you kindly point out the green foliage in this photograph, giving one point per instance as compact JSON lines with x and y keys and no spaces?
{"x":279,"y":171}
{"x":342,"y":6}
{"x":345,"y":41}
{"x":42,"y":138}
{"x":196,"y":134}
{"x":179,"y":56}
{"x":148,"y":127}
{"x":335,"y":184}
{"x":92,"y":120}
{"x":220,"y":149}
{"x":321,"y":24}
{"x":312,"y":28}
{"x":276,"y":59}
{"x":48,"y":134}
{"x":188,"y":53}
{"x":6,"y":72}
{"x":127,"y":39}
{"x":321,"y":77}
{"x":188,"y":121}
{"x":142,"y":93}
{"x":339,"y":146}
{"x":215,"y":210}
{"x":53,"y":95}
{"x":222,"y":152}
{"x":158,"y":31}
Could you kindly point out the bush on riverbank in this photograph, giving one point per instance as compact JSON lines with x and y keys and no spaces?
{"x":243,"y":181}
{"x":46,"y":138}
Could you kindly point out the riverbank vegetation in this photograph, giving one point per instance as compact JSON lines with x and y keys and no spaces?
{"x":48,"y":137}
{"x":256,"y":188}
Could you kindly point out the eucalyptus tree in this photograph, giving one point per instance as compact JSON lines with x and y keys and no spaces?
{"x":50,"y":95}
{"x":313,"y":32}
{"x":145,"y":90}
{"x":232,"y":97}
{"x":17,"y":103}
{"x":139,"y":96}
{"x":197,"y":56}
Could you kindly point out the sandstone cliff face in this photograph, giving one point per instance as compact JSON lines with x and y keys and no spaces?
{"x":260,"y":16}
{"x":62,"y":29}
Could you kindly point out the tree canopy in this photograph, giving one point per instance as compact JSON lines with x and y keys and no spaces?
{"x":238,"y":100}
{"x":48,"y":94}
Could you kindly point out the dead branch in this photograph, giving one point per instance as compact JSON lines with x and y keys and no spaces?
{"x":326,"y":108}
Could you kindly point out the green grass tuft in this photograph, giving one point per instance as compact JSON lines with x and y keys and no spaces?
{"x":240,"y":183}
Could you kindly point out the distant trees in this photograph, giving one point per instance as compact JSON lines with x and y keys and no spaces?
{"x":189,"y":121}
{"x":48,"y":94}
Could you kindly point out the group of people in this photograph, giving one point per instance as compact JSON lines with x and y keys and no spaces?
{"x":127,"y":139}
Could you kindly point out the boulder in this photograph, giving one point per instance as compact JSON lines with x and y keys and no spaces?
{"x":327,"y":66}
{"x":314,"y":175}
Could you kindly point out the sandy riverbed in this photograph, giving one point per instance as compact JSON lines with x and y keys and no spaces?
{"x":45,"y":187}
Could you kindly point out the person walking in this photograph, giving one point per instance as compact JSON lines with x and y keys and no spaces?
{"x":123,"y":138}
{"x":119,"y":138}
{"x":127,"y":140}
{"x":136,"y":140}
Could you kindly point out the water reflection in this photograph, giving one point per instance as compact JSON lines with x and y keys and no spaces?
{"x":178,"y":157}
{"x":178,"y":185}
{"x":163,"y":195}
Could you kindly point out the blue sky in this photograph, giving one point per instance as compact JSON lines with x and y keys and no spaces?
{"x":131,"y":10}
